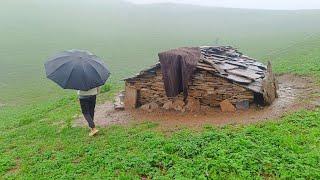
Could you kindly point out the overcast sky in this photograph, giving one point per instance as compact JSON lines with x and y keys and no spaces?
{"x":252,"y":4}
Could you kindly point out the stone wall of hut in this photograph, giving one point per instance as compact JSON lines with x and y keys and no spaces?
{"x":209,"y":89}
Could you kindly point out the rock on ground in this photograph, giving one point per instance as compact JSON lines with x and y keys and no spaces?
{"x":243,"y":105}
{"x":178,"y":105}
{"x":193,"y":105}
{"x":168,"y":105}
{"x":226,"y":106}
{"x":150,"y":107}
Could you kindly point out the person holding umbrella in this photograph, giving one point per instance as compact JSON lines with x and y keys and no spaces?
{"x":79,"y":70}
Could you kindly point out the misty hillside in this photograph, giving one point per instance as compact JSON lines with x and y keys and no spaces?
{"x":239,"y":120}
{"x":129,"y":36}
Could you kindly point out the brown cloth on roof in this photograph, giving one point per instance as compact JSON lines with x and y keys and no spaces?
{"x":177,"y":67}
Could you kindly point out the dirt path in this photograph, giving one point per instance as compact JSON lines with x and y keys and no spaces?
{"x":295,"y":93}
{"x":106,"y":115}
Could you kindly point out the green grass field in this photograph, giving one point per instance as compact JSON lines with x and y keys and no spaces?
{"x":36,"y":137}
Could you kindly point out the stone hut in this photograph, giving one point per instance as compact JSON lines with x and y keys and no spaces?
{"x":222,"y":75}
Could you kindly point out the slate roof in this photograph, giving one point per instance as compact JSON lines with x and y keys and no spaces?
{"x":228,"y":63}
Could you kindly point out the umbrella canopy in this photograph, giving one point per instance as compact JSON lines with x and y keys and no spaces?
{"x":77,"y":69}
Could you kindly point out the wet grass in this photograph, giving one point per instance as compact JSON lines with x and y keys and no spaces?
{"x":39,"y":142}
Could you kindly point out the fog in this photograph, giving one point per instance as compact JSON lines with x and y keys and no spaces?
{"x":248,"y":4}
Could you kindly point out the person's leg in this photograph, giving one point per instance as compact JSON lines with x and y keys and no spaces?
{"x":93,"y":106}
{"x":85,"y":108}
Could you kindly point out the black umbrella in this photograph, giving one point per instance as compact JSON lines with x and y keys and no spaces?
{"x":77,"y":69}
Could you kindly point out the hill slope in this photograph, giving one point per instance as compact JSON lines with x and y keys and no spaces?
{"x":38,"y":141}
{"x":127,"y":36}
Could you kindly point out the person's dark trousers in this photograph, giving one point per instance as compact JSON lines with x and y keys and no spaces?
{"x":88,"y":105}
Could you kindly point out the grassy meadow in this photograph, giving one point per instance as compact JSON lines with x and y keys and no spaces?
{"x":37,"y":140}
